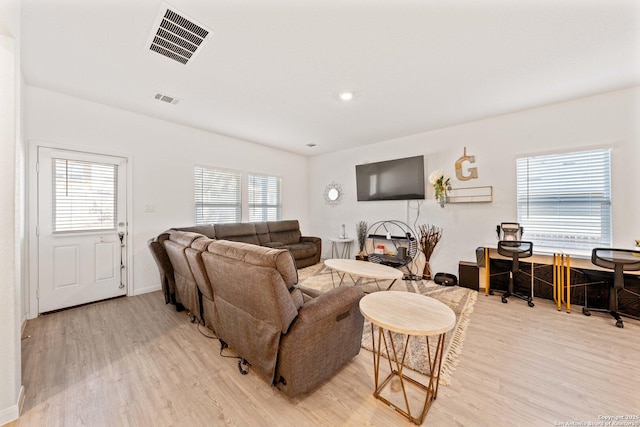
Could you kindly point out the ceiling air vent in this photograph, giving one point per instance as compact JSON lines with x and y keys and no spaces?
{"x":176,"y":36}
{"x":165,"y":98}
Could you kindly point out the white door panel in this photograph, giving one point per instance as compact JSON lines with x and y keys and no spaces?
{"x":81,"y":264}
{"x":66,"y":266}
{"x":105,"y":261}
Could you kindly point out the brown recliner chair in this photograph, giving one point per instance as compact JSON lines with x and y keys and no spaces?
{"x":262,"y":316}
{"x":186,"y":287}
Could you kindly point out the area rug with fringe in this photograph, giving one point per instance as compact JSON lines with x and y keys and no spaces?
{"x":460,"y":300}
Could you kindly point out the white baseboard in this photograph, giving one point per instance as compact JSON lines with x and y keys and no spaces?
{"x":23,"y":325}
{"x":9,"y":414}
{"x":12,"y":412}
{"x":146,"y":290}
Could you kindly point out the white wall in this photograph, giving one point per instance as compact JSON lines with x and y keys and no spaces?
{"x":11,"y":212}
{"x":162,"y":156}
{"x":609,"y":119}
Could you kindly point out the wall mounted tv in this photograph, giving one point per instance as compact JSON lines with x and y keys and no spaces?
{"x":399,"y":179}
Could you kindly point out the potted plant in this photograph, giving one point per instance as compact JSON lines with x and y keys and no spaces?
{"x":429,"y":237}
{"x":440,"y":185}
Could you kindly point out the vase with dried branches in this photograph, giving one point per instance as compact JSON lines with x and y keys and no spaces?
{"x":429,"y":237}
{"x":361,"y":232}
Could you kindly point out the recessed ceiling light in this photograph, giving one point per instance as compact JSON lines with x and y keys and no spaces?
{"x":346,"y":96}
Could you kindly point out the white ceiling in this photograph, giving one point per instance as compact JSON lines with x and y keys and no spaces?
{"x":272,"y":70}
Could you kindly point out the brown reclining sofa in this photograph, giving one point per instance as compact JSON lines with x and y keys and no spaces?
{"x":306,"y":250}
{"x":284,"y":234}
{"x":248,"y":295}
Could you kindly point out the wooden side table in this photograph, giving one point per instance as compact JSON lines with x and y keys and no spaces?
{"x":412,"y":315}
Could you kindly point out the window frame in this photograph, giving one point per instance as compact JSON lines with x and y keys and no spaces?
{"x":578,"y":199}
{"x":199,"y":206}
{"x":265,"y":206}
{"x":96,"y":181}
{"x":245,"y":204}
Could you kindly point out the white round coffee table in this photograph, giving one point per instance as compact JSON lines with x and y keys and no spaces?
{"x":410,"y":314}
{"x":362,"y":270}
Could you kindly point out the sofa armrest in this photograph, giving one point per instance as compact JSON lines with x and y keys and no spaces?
{"x":316,"y":241}
{"x":325,"y":336}
{"x":334,"y":303}
{"x":165,"y":268}
{"x":310,"y":239}
{"x":313,"y":293}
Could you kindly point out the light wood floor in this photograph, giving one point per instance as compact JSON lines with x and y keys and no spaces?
{"x":136,"y":362}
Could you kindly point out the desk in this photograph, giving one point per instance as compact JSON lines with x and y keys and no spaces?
{"x":564,"y":263}
{"x":541,"y":257}
{"x":412,"y":315}
{"x":362,"y":270}
{"x":346,"y":247}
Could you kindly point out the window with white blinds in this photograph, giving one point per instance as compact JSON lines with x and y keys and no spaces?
{"x":218,"y":196}
{"x":265,"y":201}
{"x":84,"y":196}
{"x":564,"y":200}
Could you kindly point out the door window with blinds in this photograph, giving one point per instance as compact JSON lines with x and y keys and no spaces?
{"x":218,"y":196}
{"x":84,"y":196}
{"x":564,"y":200}
{"x":265,"y":203}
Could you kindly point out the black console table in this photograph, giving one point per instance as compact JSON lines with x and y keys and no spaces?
{"x":565,"y":278}
{"x":398,"y":240}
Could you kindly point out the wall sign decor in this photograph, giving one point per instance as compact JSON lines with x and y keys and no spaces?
{"x":473,"y":172}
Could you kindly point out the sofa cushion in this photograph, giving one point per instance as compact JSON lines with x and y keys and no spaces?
{"x":261,"y":256}
{"x":263,"y":233}
{"x":201,"y":243}
{"x":273,"y":244}
{"x":183,"y":238}
{"x":238,"y":232}
{"x":254,"y":305}
{"x":206,"y":230}
{"x":194,"y":258}
{"x":252,"y":337}
{"x":302,"y":250}
{"x":287,"y":232}
{"x":283,"y":225}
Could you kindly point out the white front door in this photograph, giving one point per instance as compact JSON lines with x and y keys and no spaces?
{"x":81,"y":228}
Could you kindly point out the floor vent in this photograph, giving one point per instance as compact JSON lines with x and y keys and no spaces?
{"x":176,"y":36}
{"x":165,"y":98}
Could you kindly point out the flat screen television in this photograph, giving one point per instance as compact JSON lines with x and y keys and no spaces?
{"x":399,"y":179}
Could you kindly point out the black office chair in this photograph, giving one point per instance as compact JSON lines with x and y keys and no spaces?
{"x":618,"y":260}
{"x":509,"y":231}
{"x":515,"y":249}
